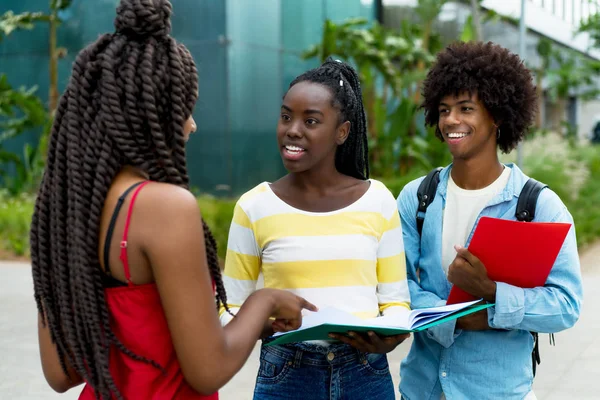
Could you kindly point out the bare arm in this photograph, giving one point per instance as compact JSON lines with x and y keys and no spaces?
{"x":53,"y":372}
{"x":209,"y":354}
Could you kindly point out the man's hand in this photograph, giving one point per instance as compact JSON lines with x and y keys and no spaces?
{"x":469,"y":274}
{"x":474,"y":322}
{"x":371,"y":342}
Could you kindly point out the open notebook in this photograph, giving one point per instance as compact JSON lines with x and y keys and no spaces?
{"x":317,"y":325}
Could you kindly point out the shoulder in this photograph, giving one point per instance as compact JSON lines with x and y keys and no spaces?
{"x":380,"y":190}
{"x":551,"y":208}
{"x":253,"y":197}
{"x":407,"y":199}
{"x":384,"y":197}
{"x":164,"y":202}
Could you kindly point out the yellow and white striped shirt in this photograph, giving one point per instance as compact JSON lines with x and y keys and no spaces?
{"x":351,"y":258}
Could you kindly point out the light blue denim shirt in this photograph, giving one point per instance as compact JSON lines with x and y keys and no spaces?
{"x":492,"y":364}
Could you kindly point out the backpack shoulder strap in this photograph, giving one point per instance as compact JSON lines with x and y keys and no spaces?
{"x":526,"y":212}
{"x":425,"y":194}
{"x":528,"y":200}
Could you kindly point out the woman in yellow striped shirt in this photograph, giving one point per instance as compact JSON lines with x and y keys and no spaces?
{"x":327,"y":233}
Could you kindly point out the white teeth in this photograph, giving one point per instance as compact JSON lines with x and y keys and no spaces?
{"x":293,"y":148}
{"x":457,"y":135}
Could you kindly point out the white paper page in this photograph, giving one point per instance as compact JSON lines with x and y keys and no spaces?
{"x":396,"y":320}
{"x":448,"y":309}
{"x":332,"y":315}
{"x":405,"y":320}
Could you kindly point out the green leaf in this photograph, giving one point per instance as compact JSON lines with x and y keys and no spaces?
{"x":468,"y":32}
{"x":60,"y":4}
{"x":10,"y":22}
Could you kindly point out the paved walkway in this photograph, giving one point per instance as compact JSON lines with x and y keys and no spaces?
{"x":571,"y":370}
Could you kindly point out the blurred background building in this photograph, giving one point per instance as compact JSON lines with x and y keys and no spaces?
{"x":247,"y":52}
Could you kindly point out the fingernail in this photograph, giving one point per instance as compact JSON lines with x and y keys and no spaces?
{"x":371,"y":334}
{"x":331,"y":335}
{"x":457,"y":247}
{"x":352,"y":334}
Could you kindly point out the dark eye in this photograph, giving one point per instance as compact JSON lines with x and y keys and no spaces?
{"x":467,"y":109}
{"x":311,"y":121}
{"x":443,"y":111}
{"x":285,"y":117}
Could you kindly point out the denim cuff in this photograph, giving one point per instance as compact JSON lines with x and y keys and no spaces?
{"x":509,"y":310}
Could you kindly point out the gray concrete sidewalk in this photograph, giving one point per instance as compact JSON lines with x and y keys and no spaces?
{"x":571,"y":370}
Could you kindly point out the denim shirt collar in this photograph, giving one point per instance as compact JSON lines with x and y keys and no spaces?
{"x":512,"y":190}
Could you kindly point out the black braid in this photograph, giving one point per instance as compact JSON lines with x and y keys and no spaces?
{"x":352,"y":157}
{"x":126,"y":103}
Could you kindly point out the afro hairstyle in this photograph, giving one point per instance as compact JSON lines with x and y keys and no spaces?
{"x":499,"y":78}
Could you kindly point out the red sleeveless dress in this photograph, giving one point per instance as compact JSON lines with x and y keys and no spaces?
{"x":138,"y":320}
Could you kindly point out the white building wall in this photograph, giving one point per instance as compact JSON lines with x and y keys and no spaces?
{"x":589,"y":115}
{"x":556,"y":19}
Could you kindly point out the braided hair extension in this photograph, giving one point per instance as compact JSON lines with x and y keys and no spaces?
{"x":352,"y":157}
{"x":127,"y":101}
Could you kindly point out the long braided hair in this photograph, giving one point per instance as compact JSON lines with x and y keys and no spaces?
{"x":352,"y":157}
{"x":126,"y":103}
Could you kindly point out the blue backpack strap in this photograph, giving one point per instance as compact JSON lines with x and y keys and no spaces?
{"x":526,"y":212}
{"x":425,"y":194}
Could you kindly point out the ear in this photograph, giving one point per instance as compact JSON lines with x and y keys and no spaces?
{"x":497,"y":130}
{"x":343,"y":131}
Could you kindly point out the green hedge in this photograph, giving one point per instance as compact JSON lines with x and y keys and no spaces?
{"x":15,"y":219}
{"x":218,"y":214}
{"x":571,"y":171}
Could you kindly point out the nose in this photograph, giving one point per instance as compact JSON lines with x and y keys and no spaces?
{"x":294,"y":130}
{"x":193,"y":126}
{"x":452,"y":118}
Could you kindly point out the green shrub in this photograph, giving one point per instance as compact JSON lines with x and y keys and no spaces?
{"x":586,"y":208}
{"x":396,"y":184}
{"x":218,"y":214}
{"x":15,"y":218}
{"x":16,"y":212}
{"x":572,"y":170}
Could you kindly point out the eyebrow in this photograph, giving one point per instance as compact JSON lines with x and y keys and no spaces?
{"x":309,"y":111}
{"x":460,"y":102}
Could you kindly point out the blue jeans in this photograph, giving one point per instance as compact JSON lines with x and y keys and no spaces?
{"x":304,"y":371}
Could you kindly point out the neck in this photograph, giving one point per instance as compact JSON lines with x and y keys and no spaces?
{"x":134,"y":172}
{"x":476,"y":173}
{"x":316,"y":181}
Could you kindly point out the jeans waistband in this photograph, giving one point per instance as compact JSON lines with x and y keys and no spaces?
{"x":311,"y":354}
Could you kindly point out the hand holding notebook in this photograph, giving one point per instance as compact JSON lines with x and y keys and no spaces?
{"x":518,"y":253}
{"x":318,"y":325}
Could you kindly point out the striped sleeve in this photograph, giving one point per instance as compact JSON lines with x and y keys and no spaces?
{"x":242,"y":263}
{"x":392,"y":287}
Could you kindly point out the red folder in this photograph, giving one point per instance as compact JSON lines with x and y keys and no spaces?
{"x":518,"y":253}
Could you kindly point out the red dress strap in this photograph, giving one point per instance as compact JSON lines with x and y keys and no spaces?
{"x":123,"y":256}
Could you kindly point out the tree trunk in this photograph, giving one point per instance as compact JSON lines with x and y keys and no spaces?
{"x":421,"y":64}
{"x":558,"y":115}
{"x":53,"y":94}
{"x":369,"y":97}
{"x":539,"y":117}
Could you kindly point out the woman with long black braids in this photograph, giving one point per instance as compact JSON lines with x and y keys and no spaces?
{"x":125,"y":270}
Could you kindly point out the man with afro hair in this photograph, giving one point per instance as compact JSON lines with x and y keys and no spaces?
{"x":480,"y":97}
